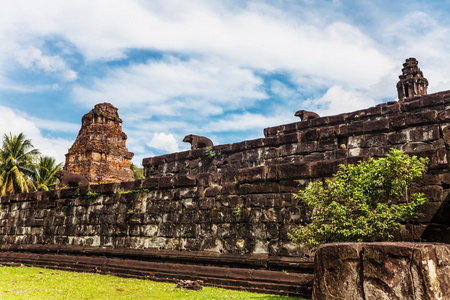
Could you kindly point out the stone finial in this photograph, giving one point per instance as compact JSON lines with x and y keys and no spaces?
{"x":412,"y":83}
{"x":99,"y":153}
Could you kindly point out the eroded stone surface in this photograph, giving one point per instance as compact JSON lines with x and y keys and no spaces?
{"x":382,"y":271}
{"x":340,"y":261}
{"x":99,"y":153}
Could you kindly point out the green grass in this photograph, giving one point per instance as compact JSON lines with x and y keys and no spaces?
{"x":38,"y":283}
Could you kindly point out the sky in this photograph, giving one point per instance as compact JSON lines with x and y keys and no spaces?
{"x":222,"y":69}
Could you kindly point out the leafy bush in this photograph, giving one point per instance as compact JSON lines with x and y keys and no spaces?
{"x":363,"y":202}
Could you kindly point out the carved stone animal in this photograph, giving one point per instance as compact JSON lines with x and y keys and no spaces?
{"x":70,"y":179}
{"x":305,"y":115}
{"x":197,"y":141}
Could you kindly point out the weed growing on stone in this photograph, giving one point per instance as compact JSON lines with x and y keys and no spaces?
{"x":237,"y":211}
{"x":210,"y":153}
{"x":130,"y":213}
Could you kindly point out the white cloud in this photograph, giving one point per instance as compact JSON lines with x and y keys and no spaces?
{"x":245,"y":121}
{"x":256,"y":36}
{"x":33,"y":58}
{"x":338,"y":100}
{"x":15,"y":122}
{"x":174,"y":86}
{"x":56,"y":126}
{"x":164,"y":141}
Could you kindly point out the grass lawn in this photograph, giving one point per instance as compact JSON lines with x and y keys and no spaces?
{"x":38,"y":283}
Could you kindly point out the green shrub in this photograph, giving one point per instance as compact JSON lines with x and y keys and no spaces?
{"x":363,"y":202}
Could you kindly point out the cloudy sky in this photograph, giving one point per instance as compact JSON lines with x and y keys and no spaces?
{"x":223,"y":69}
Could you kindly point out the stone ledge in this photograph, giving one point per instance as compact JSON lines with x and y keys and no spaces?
{"x":170,"y":266}
{"x":255,"y":261}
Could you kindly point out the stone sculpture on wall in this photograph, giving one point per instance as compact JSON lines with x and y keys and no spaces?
{"x":197,"y":141}
{"x":99,"y":153}
{"x":68,"y":179}
{"x":305,"y":115}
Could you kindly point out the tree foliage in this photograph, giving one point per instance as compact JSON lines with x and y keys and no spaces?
{"x":43,"y":176}
{"x":363,"y":202}
{"x":138,"y":173}
{"x":17,"y":162}
{"x":22,"y":169}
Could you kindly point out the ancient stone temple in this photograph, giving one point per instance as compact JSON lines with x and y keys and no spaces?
{"x":412,"y":83}
{"x":99,"y":153}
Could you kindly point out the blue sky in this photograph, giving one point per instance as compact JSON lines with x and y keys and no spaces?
{"x":222,"y":69}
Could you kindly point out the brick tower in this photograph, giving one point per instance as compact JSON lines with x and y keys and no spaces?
{"x":99,"y":153}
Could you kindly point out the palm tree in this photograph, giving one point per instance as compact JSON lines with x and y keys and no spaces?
{"x":17,"y":156}
{"x":43,"y":178}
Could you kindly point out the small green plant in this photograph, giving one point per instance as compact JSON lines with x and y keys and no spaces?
{"x":364,"y":202}
{"x":210,"y":153}
{"x":237,"y":211}
{"x":91,"y":195}
{"x":130,"y":213}
{"x":78,"y":191}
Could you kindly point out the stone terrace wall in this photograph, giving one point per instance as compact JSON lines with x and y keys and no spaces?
{"x":292,"y":155}
{"x":205,"y":212}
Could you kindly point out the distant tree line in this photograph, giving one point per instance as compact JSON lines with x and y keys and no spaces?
{"x":22,"y":167}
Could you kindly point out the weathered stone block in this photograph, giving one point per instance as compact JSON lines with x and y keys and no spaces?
{"x":270,"y":141}
{"x":309,"y":135}
{"x":421,"y":118}
{"x":424,"y":133}
{"x":337,"y":272}
{"x":289,"y":138}
{"x":294,"y":171}
{"x":185,"y":180}
{"x":375,"y":126}
{"x":166,"y":182}
{"x":252,"y":144}
{"x":252,"y":174}
{"x":382,"y":271}
{"x":324,"y":168}
{"x":328,"y":144}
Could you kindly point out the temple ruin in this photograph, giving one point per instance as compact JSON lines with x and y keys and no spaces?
{"x":224,"y":219}
{"x":99,"y":153}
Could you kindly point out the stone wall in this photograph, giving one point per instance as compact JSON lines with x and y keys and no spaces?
{"x":203,"y":212}
{"x":226,"y":229}
{"x":292,"y":155}
{"x":241,"y":201}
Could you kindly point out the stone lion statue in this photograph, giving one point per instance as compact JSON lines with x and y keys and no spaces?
{"x":70,"y":179}
{"x":197,"y":141}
